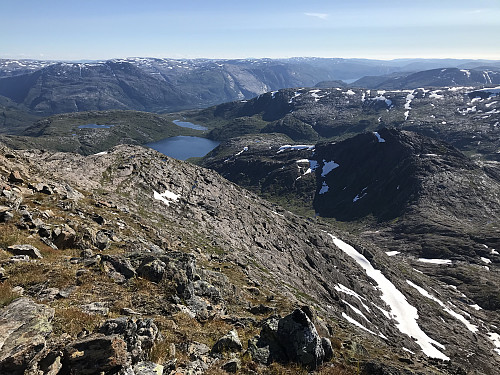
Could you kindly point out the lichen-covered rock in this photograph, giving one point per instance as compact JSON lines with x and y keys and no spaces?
{"x":228,"y":343}
{"x":24,"y":327}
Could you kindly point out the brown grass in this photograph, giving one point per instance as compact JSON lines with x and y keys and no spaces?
{"x":72,"y":320}
{"x":6,"y":293}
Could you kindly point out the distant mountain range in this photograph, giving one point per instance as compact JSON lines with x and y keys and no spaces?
{"x":167,"y":85}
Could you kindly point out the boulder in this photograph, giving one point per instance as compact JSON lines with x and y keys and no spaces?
{"x":28,"y":250}
{"x":24,"y":327}
{"x":139,"y":334}
{"x":96,"y":354}
{"x":228,"y":343}
{"x":300,"y":339}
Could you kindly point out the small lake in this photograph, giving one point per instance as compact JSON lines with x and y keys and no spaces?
{"x":190,"y":125}
{"x":94,"y":126}
{"x":184,"y":147}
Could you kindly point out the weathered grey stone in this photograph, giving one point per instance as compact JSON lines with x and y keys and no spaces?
{"x":24,"y":326}
{"x":28,"y":250}
{"x":228,"y":343}
{"x":140,"y":335}
{"x":100,"y":308}
{"x":120,"y":264}
{"x":148,"y":368}
{"x":3,"y":274}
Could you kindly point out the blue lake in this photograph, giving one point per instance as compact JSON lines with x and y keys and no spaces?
{"x":94,"y":126}
{"x":186,"y":124}
{"x":183,"y":147}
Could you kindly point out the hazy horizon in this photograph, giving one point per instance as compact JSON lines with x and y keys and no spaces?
{"x":383,"y":30}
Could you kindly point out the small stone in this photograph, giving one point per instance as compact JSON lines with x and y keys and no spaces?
{"x":98,"y":308}
{"x":5,"y":216}
{"x":3,"y":275}
{"x":15,"y":177}
{"x":129,"y":312}
{"x":232,"y":365}
{"x":19,"y":258}
{"x":28,"y":250}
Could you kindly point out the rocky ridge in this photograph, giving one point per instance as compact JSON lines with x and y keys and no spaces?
{"x":130,"y":233}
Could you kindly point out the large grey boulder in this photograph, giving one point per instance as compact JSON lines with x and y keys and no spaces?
{"x":300,"y":339}
{"x":290,"y":339}
{"x":24,"y":327}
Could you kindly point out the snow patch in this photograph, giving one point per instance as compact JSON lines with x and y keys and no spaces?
{"x":495,"y":339}
{"x":166,"y":197}
{"x":392,"y":253}
{"x":434,"y":261}
{"x":380,"y":139}
{"x":405,"y":314}
{"x":324,"y":188}
{"x":295,"y":147}
{"x":485,"y":260}
{"x":242,"y":151}
{"x":328,"y":167}
{"x":101,"y":153}
{"x":350,"y":92}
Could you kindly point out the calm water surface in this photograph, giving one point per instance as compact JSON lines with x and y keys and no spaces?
{"x":183,"y":147}
{"x":186,"y":124}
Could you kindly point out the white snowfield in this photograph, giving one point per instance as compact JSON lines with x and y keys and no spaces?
{"x":405,"y":314}
{"x":166,"y":197}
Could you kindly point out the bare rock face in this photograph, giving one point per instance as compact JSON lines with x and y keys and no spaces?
{"x":24,"y":327}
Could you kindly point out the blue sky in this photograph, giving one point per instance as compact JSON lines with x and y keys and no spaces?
{"x":385,"y":29}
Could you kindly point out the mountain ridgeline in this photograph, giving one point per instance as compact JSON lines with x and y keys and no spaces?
{"x":167,"y":85}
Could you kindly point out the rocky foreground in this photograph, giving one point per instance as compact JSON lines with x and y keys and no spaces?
{"x":127,"y":262}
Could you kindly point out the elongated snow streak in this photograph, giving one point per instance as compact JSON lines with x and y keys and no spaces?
{"x":405,"y":314}
{"x":461,"y":318}
{"x":495,"y":339}
{"x":435,"y":261}
{"x":167,"y":197}
{"x":356,"y":323}
{"x":380,"y":139}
